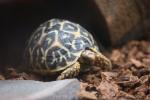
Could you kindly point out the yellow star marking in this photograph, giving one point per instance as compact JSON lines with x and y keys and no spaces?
{"x":77,"y":34}
{"x":49,"y":40}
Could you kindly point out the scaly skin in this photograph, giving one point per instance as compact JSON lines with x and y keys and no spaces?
{"x":70,"y":72}
{"x":95,"y":58}
{"x":88,"y":57}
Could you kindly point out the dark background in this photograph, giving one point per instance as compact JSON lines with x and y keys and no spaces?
{"x":19,"y":18}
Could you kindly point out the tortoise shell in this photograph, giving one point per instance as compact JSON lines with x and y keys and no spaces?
{"x":57,"y":44}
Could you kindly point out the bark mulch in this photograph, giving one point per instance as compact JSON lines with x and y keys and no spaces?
{"x":128,"y":80}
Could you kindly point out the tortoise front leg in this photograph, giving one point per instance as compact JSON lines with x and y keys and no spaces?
{"x":94,"y":58}
{"x":70,"y":72}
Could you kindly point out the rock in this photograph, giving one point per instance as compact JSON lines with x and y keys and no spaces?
{"x":121,"y":16}
{"x":35,"y":90}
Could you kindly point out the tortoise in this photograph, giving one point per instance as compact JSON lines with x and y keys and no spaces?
{"x":64,"y":47}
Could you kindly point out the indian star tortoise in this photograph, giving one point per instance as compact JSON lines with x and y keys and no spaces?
{"x":62,"y":46}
